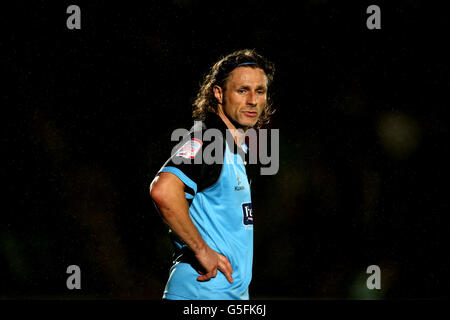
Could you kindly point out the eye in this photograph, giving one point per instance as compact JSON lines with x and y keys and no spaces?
{"x":241,"y":91}
{"x":260,"y":92}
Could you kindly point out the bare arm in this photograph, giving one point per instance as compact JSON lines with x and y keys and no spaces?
{"x":167,"y":191}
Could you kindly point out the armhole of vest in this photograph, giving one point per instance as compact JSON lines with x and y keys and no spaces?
{"x":220,"y":173}
{"x":215,"y":183}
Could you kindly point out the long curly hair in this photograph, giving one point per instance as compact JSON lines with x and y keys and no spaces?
{"x":206,"y":101}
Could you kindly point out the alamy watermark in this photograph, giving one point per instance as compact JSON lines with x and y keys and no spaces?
{"x":74,"y":20}
{"x":374,"y":20}
{"x":374,"y":281}
{"x":74,"y":280}
{"x":213,"y":152}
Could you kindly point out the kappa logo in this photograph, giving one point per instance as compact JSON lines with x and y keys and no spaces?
{"x":238,"y":187}
{"x":247,"y":213}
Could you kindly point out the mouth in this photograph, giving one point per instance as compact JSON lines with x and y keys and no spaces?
{"x":251,"y":114}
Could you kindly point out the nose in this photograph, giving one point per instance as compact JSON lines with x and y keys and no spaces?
{"x":252,"y":98}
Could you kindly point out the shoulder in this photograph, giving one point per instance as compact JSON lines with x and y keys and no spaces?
{"x":193,"y":159}
{"x":202,"y":134}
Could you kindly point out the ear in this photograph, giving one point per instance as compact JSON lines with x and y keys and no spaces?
{"x":218,"y":93}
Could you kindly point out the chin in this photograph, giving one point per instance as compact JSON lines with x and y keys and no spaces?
{"x":248,"y":124}
{"x":245,"y":122}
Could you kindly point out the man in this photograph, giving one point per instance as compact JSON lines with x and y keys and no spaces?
{"x":208,"y":206}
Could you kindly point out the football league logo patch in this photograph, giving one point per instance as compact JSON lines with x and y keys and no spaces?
{"x":189,"y":149}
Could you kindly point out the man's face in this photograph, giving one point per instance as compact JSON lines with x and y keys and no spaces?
{"x":245,"y":96}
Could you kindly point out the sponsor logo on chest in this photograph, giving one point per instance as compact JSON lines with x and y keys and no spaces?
{"x":247,"y":213}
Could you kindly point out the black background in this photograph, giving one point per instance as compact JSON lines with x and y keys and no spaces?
{"x":86,"y":122}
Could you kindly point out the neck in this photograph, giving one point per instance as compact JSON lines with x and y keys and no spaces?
{"x":238,"y":135}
